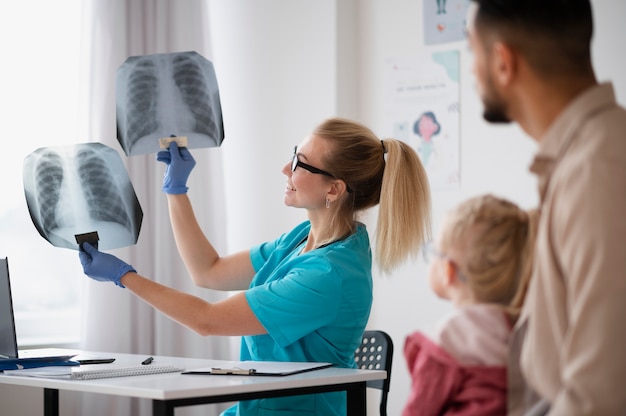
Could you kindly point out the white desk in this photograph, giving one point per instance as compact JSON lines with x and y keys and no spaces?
{"x":171,"y":390}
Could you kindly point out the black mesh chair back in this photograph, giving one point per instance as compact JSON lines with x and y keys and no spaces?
{"x":376,"y":353}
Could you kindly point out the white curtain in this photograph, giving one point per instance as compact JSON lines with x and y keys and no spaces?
{"x":115,"y":320}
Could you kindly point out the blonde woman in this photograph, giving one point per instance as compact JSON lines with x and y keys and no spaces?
{"x":481,"y":263}
{"x":305,"y":296}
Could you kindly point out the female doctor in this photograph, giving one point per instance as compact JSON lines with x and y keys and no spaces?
{"x":305,"y":296}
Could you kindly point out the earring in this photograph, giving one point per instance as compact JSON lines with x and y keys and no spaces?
{"x":327,"y":203}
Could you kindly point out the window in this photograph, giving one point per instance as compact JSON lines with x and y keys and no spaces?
{"x":39,"y":103}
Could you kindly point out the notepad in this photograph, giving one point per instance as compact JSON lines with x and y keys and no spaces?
{"x":259,"y":368}
{"x":95,"y":371}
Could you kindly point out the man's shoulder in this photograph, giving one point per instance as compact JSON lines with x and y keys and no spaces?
{"x":600,"y":141}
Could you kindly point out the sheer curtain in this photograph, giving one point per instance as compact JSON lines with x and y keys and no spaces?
{"x":115,"y":320}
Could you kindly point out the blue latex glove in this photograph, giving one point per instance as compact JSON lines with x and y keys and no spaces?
{"x":101,"y":266}
{"x":179,"y":163}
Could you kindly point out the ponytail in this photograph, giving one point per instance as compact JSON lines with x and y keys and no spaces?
{"x":404,"y":222}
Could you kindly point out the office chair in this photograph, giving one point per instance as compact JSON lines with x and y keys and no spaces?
{"x":376,"y":353}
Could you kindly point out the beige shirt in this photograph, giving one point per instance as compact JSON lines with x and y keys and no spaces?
{"x":574,"y":351}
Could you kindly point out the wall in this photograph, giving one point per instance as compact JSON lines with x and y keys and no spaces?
{"x":285,"y":65}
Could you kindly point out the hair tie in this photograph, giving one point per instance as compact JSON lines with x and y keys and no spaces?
{"x":383,"y":145}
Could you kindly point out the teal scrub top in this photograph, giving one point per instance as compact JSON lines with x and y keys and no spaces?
{"x":314,"y":307}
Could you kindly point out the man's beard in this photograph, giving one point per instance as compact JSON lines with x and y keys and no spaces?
{"x":495,"y":111}
{"x":495,"y":108}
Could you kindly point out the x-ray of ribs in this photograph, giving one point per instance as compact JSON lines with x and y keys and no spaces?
{"x":100,"y":190}
{"x":49,"y":178}
{"x":189,"y":79}
{"x":142,"y":98}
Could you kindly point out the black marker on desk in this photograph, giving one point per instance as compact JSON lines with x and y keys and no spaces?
{"x":147,"y":360}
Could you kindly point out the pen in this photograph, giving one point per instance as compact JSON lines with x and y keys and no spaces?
{"x":147,"y":361}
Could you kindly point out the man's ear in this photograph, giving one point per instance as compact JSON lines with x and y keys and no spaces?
{"x":504,"y":63}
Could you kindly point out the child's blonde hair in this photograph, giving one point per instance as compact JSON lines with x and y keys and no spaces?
{"x":493,"y":240}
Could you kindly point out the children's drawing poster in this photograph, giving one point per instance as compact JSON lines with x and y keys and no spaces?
{"x":422,"y":107}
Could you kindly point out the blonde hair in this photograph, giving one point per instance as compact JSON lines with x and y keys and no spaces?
{"x":495,"y":241}
{"x":376,"y":171}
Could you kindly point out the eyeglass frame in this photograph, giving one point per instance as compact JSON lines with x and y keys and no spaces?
{"x":430,"y":251}
{"x":295,"y":163}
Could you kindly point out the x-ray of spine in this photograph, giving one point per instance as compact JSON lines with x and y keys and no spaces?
{"x":165,"y":95}
{"x":78,"y":189}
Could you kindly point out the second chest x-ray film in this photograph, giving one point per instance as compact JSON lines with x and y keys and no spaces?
{"x":81,"y":189}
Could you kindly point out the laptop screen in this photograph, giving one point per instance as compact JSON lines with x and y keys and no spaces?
{"x":8,"y":341}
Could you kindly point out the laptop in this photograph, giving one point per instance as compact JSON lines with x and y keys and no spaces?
{"x":10,"y":356}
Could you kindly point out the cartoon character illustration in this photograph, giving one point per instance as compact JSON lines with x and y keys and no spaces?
{"x":426,"y":126}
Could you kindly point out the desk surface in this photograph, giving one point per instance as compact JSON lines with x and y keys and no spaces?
{"x":170,"y":386}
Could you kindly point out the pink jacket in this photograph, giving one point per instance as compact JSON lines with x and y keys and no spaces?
{"x":442,"y":385}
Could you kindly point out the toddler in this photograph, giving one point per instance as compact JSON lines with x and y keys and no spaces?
{"x":481,"y":262}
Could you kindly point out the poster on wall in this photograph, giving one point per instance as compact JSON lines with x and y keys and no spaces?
{"x":422,"y":109}
{"x":444,"y":20}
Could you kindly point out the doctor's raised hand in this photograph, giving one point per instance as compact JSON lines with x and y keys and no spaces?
{"x":179,"y":163}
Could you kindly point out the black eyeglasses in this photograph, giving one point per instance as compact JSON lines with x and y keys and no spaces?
{"x":295,"y":162}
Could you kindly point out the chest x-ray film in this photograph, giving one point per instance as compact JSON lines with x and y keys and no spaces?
{"x":167,"y":95}
{"x":80,"y":191}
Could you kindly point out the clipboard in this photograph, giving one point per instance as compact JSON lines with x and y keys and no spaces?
{"x":259,"y":368}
